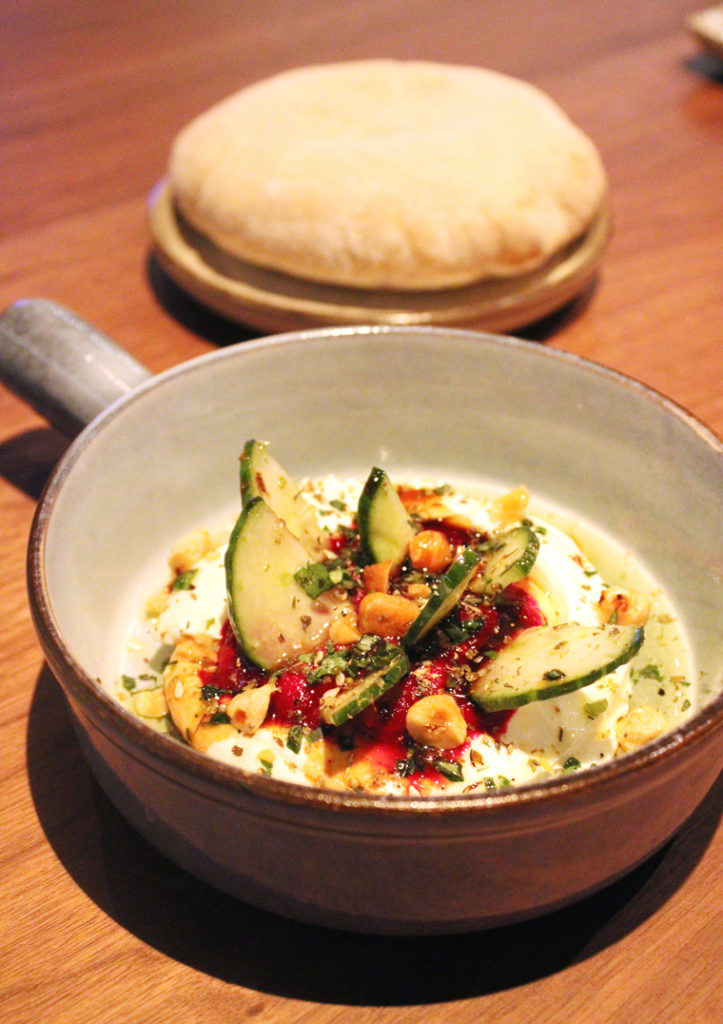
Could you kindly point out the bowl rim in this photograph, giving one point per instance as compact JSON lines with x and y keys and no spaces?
{"x":200,"y":770}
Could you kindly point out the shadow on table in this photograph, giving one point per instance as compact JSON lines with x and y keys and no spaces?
{"x":27,"y":460}
{"x":706,"y":66}
{"x":195,"y":925}
{"x":218,"y":330}
{"x":192,"y":314}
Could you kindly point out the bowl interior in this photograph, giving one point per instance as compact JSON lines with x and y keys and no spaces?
{"x":444,"y":404}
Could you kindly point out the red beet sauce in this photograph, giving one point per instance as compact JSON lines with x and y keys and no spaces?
{"x":380,"y":731}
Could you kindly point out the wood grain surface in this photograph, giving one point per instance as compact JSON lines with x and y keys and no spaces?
{"x":95,"y":926}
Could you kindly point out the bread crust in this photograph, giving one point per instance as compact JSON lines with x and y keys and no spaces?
{"x":388,"y":174}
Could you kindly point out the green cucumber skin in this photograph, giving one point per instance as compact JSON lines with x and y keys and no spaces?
{"x":373,"y":483}
{"x":365,"y":691}
{"x":504,"y":565}
{"x":501,"y":695}
{"x":267,"y":607}
{"x":449,"y":591}
{"x":251,"y":450}
{"x":384,"y":524}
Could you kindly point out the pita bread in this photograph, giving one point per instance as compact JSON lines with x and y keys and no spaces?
{"x":388,"y":174}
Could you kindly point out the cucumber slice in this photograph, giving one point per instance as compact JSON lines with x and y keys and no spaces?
{"x":262,"y":476}
{"x":550,"y":661}
{"x":272,"y":616}
{"x":448,"y":591}
{"x":385,"y":528}
{"x":339,"y":705}
{"x":511,"y":557}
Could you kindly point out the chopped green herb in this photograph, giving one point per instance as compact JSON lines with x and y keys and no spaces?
{"x":330,"y":665}
{"x":294,"y":739}
{"x":128,"y":683}
{"x":219,"y":718}
{"x":406,"y":767}
{"x":651,"y":672}
{"x":595,"y":707}
{"x":457,"y":628}
{"x":571,"y":765}
{"x":337,"y":503}
{"x":554,"y":673}
{"x":318,"y":577}
{"x":184,"y":581}
{"x":367,"y":655}
{"x":451,"y":770}
{"x":314,"y":578}
{"x":315,"y":735}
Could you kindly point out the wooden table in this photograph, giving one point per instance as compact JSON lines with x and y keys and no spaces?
{"x":94,"y":925}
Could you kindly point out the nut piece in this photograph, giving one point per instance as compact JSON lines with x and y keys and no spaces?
{"x":248,"y":709}
{"x":508,"y":508}
{"x":150,"y":703}
{"x":387,"y":615}
{"x":376,"y":577}
{"x":189,"y":550}
{"x":624,"y":607}
{"x":430,"y":550}
{"x":182,"y":682}
{"x":641,"y":725}
{"x":343,"y":628}
{"x":436,"y":721}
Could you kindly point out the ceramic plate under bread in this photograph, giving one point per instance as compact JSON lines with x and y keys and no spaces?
{"x":278,"y":302}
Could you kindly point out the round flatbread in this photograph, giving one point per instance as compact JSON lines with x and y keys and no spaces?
{"x":388,"y":174}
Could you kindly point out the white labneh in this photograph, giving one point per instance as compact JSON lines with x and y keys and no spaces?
{"x":543,"y":738}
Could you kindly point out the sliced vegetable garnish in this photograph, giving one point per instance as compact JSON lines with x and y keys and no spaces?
{"x":447,"y":592}
{"x":509,"y":557}
{"x":550,"y":661}
{"x":273,"y":617}
{"x":385,"y":527}
{"x":387,"y":666}
{"x":262,"y":476}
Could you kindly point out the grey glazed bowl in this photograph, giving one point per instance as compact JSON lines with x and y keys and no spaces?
{"x":162,"y":459}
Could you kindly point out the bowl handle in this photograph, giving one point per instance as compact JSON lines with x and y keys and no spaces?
{"x":61,"y":365}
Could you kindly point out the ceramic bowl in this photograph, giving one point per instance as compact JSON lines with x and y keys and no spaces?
{"x":162,"y":459}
